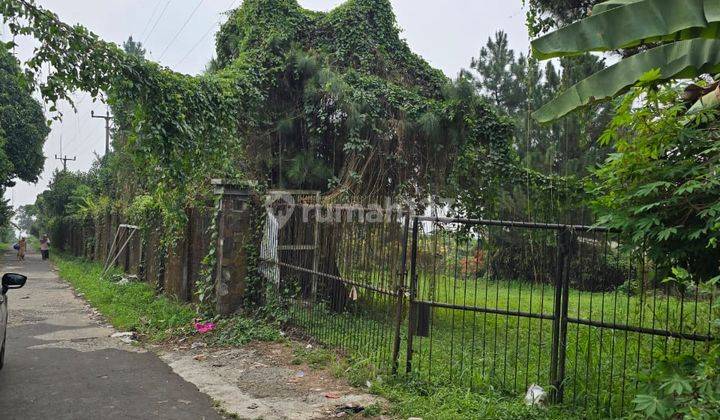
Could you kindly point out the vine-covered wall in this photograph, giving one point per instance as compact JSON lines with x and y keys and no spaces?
{"x":331,"y":101}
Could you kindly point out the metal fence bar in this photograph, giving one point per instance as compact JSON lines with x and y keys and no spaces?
{"x":516,"y":224}
{"x":469,"y":300}
{"x":566,"y":238}
{"x":400,"y":288}
{"x":340,"y":279}
{"x":642,"y":330}
{"x":478,"y":309}
{"x":412,"y":318}
{"x":555,"y":381}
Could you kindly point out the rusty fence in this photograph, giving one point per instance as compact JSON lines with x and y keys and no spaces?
{"x":483,"y":303}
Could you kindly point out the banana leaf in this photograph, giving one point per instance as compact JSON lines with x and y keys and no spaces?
{"x":634,"y":23}
{"x":611,"y":4}
{"x":679,"y":60}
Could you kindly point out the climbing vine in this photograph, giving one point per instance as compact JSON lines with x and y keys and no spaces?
{"x":331,"y":101}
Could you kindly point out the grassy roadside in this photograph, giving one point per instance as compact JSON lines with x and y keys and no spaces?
{"x":136,"y":307}
{"x":410,"y":398}
{"x":131,"y":307}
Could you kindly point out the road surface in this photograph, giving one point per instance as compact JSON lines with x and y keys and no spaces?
{"x":61,"y":362}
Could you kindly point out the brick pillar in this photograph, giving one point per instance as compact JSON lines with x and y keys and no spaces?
{"x":235,"y":232}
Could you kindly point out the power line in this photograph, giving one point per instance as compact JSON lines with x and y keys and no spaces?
{"x":78,"y":124}
{"x":107,"y":119}
{"x":181,"y":28}
{"x":157,"y":21}
{"x":65,"y":160}
{"x":197,"y":44}
{"x":147,"y":25}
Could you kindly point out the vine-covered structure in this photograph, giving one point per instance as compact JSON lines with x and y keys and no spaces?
{"x":333,"y":101}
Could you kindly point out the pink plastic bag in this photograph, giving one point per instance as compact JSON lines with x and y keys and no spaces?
{"x":204,"y":327}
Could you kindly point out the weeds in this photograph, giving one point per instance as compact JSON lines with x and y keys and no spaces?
{"x":130,"y":307}
{"x":136,"y":307}
{"x":238,"y":331}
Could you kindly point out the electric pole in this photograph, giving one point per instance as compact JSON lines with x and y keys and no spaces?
{"x":65,"y":160}
{"x":107,"y":119}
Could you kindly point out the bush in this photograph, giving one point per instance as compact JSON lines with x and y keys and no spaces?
{"x":682,"y":388}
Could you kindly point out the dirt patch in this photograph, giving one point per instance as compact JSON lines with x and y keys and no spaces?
{"x":266,"y":380}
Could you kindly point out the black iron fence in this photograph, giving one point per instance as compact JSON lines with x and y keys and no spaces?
{"x":485,"y":303}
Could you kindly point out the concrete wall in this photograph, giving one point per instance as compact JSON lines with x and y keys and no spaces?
{"x":177,"y":270}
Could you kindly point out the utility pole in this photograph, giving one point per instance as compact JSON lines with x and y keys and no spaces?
{"x":107,"y":119}
{"x":65,"y":160}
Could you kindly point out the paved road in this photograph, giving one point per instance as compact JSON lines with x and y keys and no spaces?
{"x":61,"y":362}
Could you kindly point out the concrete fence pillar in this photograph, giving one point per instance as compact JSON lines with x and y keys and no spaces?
{"x":235,"y":233}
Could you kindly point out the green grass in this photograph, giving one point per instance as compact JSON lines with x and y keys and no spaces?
{"x":417,"y":399}
{"x":132,"y":307}
{"x":33,"y":243}
{"x":410,"y":397}
{"x":481,"y":351}
{"x":238,"y":331}
{"x":137,"y":307}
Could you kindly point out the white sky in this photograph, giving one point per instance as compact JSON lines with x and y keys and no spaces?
{"x":446,"y":33}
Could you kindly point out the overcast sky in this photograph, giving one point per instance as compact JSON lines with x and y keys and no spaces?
{"x":180,"y":34}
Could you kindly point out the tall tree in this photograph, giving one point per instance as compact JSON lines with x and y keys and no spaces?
{"x":518,"y":86}
{"x":494,"y":63}
{"x":134,"y":48}
{"x":26,"y":216}
{"x":23,"y":127}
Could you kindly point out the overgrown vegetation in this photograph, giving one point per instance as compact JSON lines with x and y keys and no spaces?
{"x":135,"y":306}
{"x":659,"y":186}
{"x":129,"y":307}
{"x":23,"y":129}
{"x":337,"y":102}
{"x":409,"y":397}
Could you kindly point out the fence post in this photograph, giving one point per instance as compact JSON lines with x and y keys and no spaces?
{"x":560,"y":314}
{"x":316,"y":251}
{"x":237,"y":233}
{"x":400,"y":291}
{"x":412,"y":317}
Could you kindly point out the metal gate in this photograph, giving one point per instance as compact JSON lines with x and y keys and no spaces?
{"x":487,"y":304}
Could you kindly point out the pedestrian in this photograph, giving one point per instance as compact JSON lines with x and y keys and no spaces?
{"x":45,"y":247}
{"x":22,"y":247}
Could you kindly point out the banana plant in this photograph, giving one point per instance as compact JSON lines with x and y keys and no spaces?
{"x":681,"y":40}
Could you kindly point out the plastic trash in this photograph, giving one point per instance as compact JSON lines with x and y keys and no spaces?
{"x":535,"y":395}
{"x":126,"y":337}
{"x":204,"y":327}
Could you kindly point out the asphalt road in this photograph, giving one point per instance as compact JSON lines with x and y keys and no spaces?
{"x":61,"y":362}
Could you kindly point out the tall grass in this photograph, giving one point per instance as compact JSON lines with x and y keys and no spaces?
{"x":131,"y":307}
{"x":485,"y":351}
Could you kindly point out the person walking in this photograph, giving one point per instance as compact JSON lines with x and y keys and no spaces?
{"x":22,"y":248}
{"x":45,"y":247}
